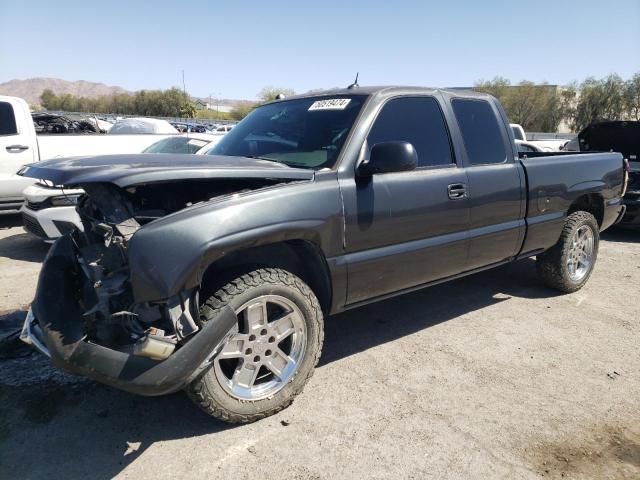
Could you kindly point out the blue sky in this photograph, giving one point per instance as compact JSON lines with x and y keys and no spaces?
{"x":233,"y":49}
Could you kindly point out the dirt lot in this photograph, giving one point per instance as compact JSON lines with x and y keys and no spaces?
{"x":492,"y":376}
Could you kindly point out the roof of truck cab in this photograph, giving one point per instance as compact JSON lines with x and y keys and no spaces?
{"x":387,"y":90}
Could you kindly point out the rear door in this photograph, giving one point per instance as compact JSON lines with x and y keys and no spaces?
{"x":16,"y":150}
{"x":496,"y":182}
{"x":405,"y":229}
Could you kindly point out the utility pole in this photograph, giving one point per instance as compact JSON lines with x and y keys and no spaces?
{"x":184,"y":91}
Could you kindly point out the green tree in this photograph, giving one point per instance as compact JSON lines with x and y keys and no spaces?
{"x":632,"y":97}
{"x":600,"y":100}
{"x":498,"y":87}
{"x":535,"y":107}
{"x":568,"y":100}
{"x":49,"y":100}
{"x":242,"y":110}
{"x":188,"y":110}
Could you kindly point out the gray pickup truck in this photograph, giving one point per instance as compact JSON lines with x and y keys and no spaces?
{"x":214,"y":273}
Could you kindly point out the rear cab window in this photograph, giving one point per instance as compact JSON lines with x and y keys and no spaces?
{"x":8,"y":124}
{"x":418,"y":121}
{"x":480,"y":130}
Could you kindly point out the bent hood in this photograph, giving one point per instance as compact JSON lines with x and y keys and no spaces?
{"x":128,"y":170}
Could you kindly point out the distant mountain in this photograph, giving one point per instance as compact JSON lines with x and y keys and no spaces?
{"x":31,"y":88}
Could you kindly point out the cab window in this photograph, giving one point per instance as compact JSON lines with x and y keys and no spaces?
{"x":7,"y":119}
{"x":419,"y":121}
{"x":480,"y":131}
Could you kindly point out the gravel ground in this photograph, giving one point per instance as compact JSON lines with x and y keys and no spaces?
{"x":491,"y":376}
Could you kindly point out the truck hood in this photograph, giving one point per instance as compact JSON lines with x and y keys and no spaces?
{"x":128,"y":170}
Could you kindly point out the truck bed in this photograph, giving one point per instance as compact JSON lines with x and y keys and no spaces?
{"x":556,"y":180}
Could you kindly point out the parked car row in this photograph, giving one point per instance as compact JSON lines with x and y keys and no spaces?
{"x":44,"y":122}
{"x":202,"y":128}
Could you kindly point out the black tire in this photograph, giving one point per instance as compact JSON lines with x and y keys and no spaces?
{"x":206,"y":390}
{"x":552,"y":264}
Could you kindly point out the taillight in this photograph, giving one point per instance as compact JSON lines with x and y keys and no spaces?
{"x":626,"y":168}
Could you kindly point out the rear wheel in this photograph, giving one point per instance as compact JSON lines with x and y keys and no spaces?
{"x":271,"y":352}
{"x":568,"y":264}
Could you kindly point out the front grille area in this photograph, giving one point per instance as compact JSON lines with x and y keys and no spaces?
{"x":33,"y":226}
{"x":6,"y":205}
{"x":35,"y":206}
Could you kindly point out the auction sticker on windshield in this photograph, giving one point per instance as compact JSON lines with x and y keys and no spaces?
{"x":330,"y":104}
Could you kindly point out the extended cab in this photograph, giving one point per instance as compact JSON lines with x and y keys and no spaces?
{"x":19,"y":146}
{"x":214,"y":273}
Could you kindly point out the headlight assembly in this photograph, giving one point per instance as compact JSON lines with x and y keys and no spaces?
{"x":65,"y":200}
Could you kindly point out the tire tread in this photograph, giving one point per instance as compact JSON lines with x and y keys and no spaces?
{"x":550,"y":265}
{"x":197,"y":390}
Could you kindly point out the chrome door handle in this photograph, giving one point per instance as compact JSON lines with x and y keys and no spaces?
{"x":457,"y":191}
{"x":17,"y":147}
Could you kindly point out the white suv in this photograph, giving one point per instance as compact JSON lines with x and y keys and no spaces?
{"x":49,"y":212}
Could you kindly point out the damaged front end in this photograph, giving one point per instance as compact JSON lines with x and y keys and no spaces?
{"x":85,"y":317}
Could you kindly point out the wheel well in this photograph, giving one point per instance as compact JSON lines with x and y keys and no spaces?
{"x":592,"y":203}
{"x":300,"y":257}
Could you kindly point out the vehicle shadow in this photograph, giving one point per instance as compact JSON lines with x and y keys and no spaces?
{"x":10,"y":221}
{"x":620,"y":234}
{"x":360,"y":329}
{"x":24,"y":247}
{"x":83,"y":429}
{"x":63,"y":427}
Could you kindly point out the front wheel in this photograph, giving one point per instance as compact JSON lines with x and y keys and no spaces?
{"x":568,"y":264}
{"x":270,"y":354}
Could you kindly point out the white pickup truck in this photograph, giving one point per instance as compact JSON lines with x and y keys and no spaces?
{"x":530,"y":145}
{"x":19,"y":146}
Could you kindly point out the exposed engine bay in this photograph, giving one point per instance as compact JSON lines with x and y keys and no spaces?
{"x":111,"y":216}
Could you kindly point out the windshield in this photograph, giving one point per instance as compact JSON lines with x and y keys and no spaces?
{"x":176,"y":145}
{"x":307,"y":132}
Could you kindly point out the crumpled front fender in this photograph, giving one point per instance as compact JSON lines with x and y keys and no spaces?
{"x":57,"y":321}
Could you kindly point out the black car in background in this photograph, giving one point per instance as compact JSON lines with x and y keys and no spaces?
{"x":624,"y":137}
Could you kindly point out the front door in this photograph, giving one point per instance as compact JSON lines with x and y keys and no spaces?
{"x":405,"y":229}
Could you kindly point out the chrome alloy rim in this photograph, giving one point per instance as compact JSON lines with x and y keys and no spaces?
{"x":263,"y":355}
{"x":580,"y":256}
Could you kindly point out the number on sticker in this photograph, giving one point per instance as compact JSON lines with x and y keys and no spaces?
{"x":330,"y":104}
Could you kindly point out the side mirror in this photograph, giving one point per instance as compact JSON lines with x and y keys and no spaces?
{"x":388,"y":157}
